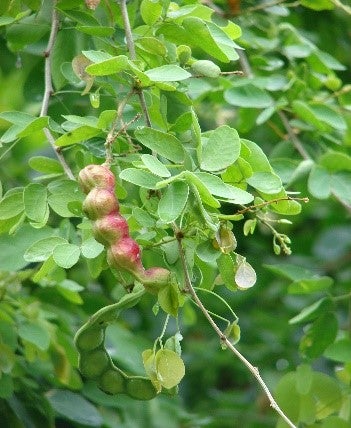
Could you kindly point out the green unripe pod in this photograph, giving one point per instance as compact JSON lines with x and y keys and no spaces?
{"x":99,"y":203}
{"x":93,"y":364}
{"x":90,"y":339}
{"x":96,"y":176}
{"x":112,"y":382}
{"x":110,"y":229}
{"x":155,"y":278}
{"x":206,"y":68}
{"x":140,"y":388}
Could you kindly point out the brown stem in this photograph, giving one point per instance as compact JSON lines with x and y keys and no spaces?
{"x":132,"y":53}
{"x":272,"y":201}
{"x":293,"y":138}
{"x":223,"y":338}
{"x":48,"y":90}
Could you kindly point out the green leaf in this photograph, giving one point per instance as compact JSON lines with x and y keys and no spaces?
{"x":203,"y":191}
{"x":248,"y":96}
{"x":24,"y":125}
{"x":29,"y":30}
{"x":63,"y":194}
{"x":45,"y":165}
{"x":245,"y":276}
{"x":313,"y":311}
{"x":11,"y":205}
{"x":265,"y":182}
{"x":6,"y":385}
{"x":74,"y":407}
{"x":155,"y":166}
{"x":77,"y":135}
{"x":335,"y":161}
{"x":167,"y":73}
{"x":163,"y":144}
{"x":91,"y":248}
{"x":221,"y":149}
{"x":139,"y":178}
{"x":35,"y":334}
{"x":218,"y":188}
{"x":35,"y":202}
{"x":210,"y":38}
{"x":7,"y":359}
{"x":150,"y":11}
{"x":319,"y":336}
{"x":311,"y":285}
{"x":173,"y":201}
{"x":318,"y":4}
{"x":69,"y":290}
{"x":109,"y":66}
{"x":66,"y":255}
{"x":96,"y":31}
{"x":170,"y":368}
{"x":319,"y":115}
{"x":227,"y":271}
{"x":42,"y":249}
{"x":339,"y":351}
{"x":168,"y":298}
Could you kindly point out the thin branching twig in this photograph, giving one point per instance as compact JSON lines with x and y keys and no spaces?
{"x":132,"y":54}
{"x":223,"y":338}
{"x":48,"y":90}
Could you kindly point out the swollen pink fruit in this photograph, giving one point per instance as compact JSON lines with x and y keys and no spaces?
{"x":110,"y":229}
{"x":99,"y":203}
{"x":96,"y":176}
{"x":125,"y":254}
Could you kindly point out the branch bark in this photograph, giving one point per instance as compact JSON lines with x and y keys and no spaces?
{"x":132,"y":53}
{"x":224,"y":340}
{"x":48,"y":90}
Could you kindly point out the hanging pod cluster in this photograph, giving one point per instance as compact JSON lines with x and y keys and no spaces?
{"x":111,"y":229}
{"x":96,"y":364}
{"x":123,"y":253}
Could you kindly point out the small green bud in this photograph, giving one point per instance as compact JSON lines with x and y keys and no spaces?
{"x":206,"y":68}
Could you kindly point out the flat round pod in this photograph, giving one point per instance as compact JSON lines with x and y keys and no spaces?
{"x":94,"y":363}
{"x":140,"y":388}
{"x":87,"y":340}
{"x":112,"y":382}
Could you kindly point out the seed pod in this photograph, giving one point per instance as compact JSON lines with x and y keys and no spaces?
{"x":206,"y":68}
{"x":99,"y":203}
{"x":140,"y":388}
{"x":112,"y":382}
{"x":110,"y":229}
{"x":155,"y":278}
{"x":94,"y":363}
{"x":96,"y":176}
{"x":90,"y":339}
{"x":125,"y":254}
{"x":92,"y":4}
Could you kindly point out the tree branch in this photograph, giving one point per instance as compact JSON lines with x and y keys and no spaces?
{"x":132,"y":53}
{"x":48,"y":90}
{"x":223,"y":338}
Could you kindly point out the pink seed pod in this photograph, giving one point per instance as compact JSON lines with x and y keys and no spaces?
{"x":99,"y":203}
{"x":96,"y":176}
{"x":155,"y":278}
{"x":125,"y":254}
{"x":110,"y":229}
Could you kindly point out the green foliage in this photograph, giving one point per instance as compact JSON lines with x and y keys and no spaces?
{"x":207,"y":165}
